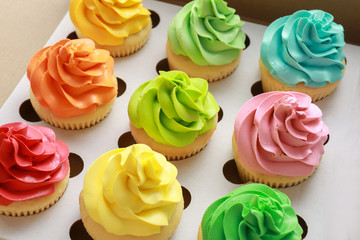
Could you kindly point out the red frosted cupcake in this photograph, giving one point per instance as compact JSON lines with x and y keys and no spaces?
{"x":34,"y":169}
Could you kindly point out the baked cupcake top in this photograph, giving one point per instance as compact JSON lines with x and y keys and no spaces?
{"x":132,"y":191}
{"x":208,"y":32}
{"x":32,"y":160}
{"x":280,"y":133}
{"x":304,"y":47}
{"x":253,"y":211}
{"x":173,"y":109}
{"x":108,"y":22}
{"x":72,"y":78}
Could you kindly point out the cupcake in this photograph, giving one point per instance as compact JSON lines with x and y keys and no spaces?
{"x":253,"y":211}
{"x":278,"y":138}
{"x":205,"y":40}
{"x":303,"y":52}
{"x":120,"y":26}
{"x":131,"y":193}
{"x":173,"y":114}
{"x":34,"y":169}
{"x":73,"y":85}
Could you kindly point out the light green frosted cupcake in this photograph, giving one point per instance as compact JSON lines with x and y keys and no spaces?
{"x":205,"y":40}
{"x":173,"y":114}
{"x":253,"y":211}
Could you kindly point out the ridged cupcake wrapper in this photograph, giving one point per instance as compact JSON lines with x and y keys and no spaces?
{"x":74,"y":126}
{"x":181,"y":157}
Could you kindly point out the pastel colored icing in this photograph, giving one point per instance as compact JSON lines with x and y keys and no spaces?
{"x":280,"y":133}
{"x":131,"y":191}
{"x":32,"y":160}
{"x":304,"y":47}
{"x":72,"y":78}
{"x":208,"y":32}
{"x":173,"y":109}
{"x":253,"y":211}
{"x":108,"y":22}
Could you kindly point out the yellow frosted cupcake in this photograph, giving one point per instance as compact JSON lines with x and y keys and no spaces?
{"x":73,"y":85}
{"x":303,"y":52}
{"x":205,"y":40}
{"x":131,"y":194}
{"x":34,"y":169}
{"x":120,"y":26}
{"x":173,"y":114}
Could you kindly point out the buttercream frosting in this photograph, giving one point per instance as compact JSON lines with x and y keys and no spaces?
{"x":173,"y":109}
{"x":131,"y":191}
{"x":253,"y":211}
{"x":108,"y":22}
{"x":208,"y":32}
{"x":72,"y":77}
{"x":32,"y":160}
{"x":280,"y":133}
{"x":304,"y":47}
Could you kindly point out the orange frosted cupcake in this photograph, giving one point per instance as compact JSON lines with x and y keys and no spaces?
{"x":73,"y":85}
{"x":120,"y":26}
{"x":34,"y":169}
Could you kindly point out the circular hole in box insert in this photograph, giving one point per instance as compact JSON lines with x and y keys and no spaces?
{"x":247,"y":42}
{"x":186,"y":196}
{"x":256,"y":88}
{"x":121,"y":86}
{"x":27,"y":112}
{"x":126,"y":140}
{"x":76,"y":164}
{"x":303,"y":226}
{"x":72,"y":36}
{"x":162,"y":65}
{"x":78,"y":231}
{"x":155,"y":18}
{"x":220,"y":114}
{"x":230,"y":172}
{"x":327,"y":140}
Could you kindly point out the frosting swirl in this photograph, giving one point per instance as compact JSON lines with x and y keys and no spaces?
{"x":208,"y":32}
{"x":32,"y":160}
{"x":173,"y":109}
{"x":253,"y":211}
{"x":108,"y":22}
{"x":72,"y":78}
{"x":280,"y":133}
{"x":304,"y":47}
{"x":132,"y":191}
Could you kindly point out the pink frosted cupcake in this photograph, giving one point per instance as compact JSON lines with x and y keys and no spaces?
{"x":278,"y":138}
{"x":34,"y":169}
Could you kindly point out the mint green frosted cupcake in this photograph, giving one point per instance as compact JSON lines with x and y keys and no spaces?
{"x":205,"y":40}
{"x":173,"y":114}
{"x":253,"y":211}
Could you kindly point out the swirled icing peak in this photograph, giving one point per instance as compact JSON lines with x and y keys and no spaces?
{"x":280,"y":133}
{"x":173,"y":109}
{"x":72,"y":77}
{"x":131,"y":191}
{"x":304,"y":47}
{"x":108,"y":22}
{"x":253,"y":211}
{"x":32,"y":160}
{"x":208,"y":32}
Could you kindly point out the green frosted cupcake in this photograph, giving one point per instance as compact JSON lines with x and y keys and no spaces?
{"x":253,"y":211}
{"x":173,"y":114}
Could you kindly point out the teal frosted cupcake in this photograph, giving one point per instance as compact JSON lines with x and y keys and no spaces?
{"x":205,"y":40}
{"x":253,"y":211}
{"x":303,"y":53}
